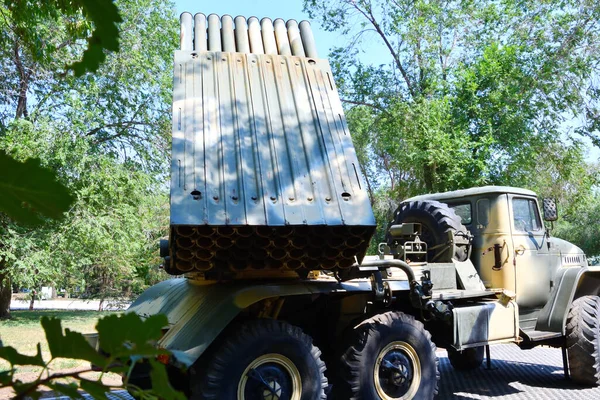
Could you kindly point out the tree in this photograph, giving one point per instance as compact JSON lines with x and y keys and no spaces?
{"x":469,"y":92}
{"x":105,"y":135}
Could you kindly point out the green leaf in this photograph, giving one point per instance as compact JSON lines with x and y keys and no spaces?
{"x":30,"y":190}
{"x":97,"y":389}
{"x":160,"y":382}
{"x":128,"y":334}
{"x":11,"y":355}
{"x":70,"y":390}
{"x":21,"y":387}
{"x":6,"y":377}
{"x":71,"y":344}
{"x":105,"y":16}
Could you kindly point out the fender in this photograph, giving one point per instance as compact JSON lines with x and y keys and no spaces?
{"x":198,"y":311}
{"x":569,"y":284}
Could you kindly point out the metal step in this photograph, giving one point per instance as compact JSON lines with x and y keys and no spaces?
{"x":537,"y":336}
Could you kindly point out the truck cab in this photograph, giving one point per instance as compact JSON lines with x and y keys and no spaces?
{"x":511,"y":247}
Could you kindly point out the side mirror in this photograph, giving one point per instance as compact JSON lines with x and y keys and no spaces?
{"x":550,"y":212}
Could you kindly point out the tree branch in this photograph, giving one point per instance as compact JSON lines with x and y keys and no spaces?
{"x":370,"y":105}
{"x":371,"y":18}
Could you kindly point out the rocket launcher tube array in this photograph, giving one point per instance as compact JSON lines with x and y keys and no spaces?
{"x":264,"y":174}
{"x":246,"y":36}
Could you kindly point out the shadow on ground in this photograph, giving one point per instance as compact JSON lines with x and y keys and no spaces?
{"x":515,"y":378}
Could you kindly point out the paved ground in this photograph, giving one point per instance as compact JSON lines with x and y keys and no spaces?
{"x":516,"y":374}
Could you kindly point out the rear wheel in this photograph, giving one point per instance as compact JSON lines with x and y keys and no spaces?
{"x":262,"y":360}
{"x":583,"y":340}
{"x":390,"y":356}
{"x":467,"y":359}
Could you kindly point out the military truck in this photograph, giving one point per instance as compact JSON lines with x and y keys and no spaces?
{"x":274,"y":296}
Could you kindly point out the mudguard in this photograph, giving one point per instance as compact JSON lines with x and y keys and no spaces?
{"x":198,"y":311}
{"x":569,"y":284}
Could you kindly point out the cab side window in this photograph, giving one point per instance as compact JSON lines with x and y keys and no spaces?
{"x":463,"y":211}
{"x":526,"y":217}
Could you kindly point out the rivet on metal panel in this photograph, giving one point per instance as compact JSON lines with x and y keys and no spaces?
{"x":312,"y":62}
{"x":216,"y":198}
{"x":194,"y":55}
{"x":273,"y":199}
{"x":327,"y":198}
{"x":291,"y":199}
{"x":268,"y":61}
{"x":223,"y":59}
{"x":234,"y":198}
{"x":309,"y":198}
{"x":346,"y":196}
{"x":196,"y":195}
{"x":254,"y":198}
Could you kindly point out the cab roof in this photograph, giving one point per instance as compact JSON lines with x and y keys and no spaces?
{"x":476,"y":191}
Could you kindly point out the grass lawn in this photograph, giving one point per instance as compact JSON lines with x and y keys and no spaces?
{"x":24,"y":331}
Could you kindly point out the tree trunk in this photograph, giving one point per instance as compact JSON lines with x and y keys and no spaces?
{"x":32,"y":301}
{"x":5,"y":295}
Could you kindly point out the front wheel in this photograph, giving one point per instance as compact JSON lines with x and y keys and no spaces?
{"x":391,"y":356}
{"x":583,"y":340}
{"x":262,"y":360}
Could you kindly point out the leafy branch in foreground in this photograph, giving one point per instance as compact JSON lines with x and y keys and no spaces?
{"x":30,"y":190}
{"x":124,"y":339}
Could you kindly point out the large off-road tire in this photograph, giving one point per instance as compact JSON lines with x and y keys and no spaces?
{"x":436,"y":220}
{"x":390,"y":356}
{"x":262,"y":359}
{"x":583,"y":340}
{"x":467,"y":359}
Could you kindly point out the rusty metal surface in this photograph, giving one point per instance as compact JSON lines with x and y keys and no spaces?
{"x":263,"y":165}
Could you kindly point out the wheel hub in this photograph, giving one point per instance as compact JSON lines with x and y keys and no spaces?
{"x":270,"y":377}
{"x":397,"y":372}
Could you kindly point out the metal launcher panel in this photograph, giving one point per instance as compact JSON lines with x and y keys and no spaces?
{"x":264,"y":172}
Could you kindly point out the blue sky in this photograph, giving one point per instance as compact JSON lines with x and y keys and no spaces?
{"x":286,"y":9}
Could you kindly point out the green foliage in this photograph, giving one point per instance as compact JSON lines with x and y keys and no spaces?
{"x":94,"y":20}
{"x":125,"y":340}
{"x":105,"y":136}
{"x":29,"y":189}
{"x":469,"y":93}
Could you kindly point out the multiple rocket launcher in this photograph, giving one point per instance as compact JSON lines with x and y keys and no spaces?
{"x":264,"y":172}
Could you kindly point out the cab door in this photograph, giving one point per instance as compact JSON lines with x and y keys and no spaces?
{"x":531,"y":258}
